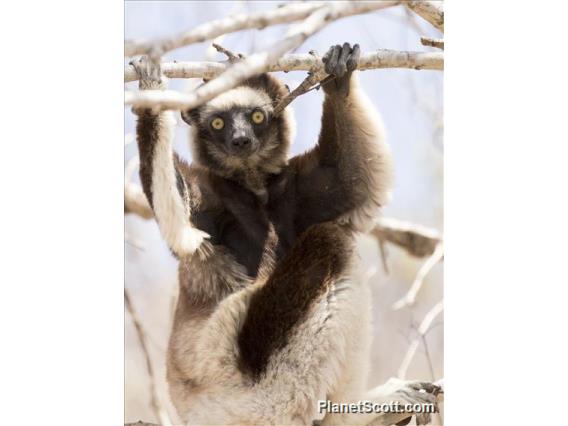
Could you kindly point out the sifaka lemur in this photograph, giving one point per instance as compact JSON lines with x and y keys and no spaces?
{"x":271,"y":316}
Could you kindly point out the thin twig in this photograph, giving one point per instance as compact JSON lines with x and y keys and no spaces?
{"x":160,"y":413}
{"x":410,"y":297}
{"x":384,"y":254}
{"x":230,"y":55}
{"x":313,"y":78}
{"x":432,"y":42}
{"x":422,"y":330}
{"x":133,"y":242}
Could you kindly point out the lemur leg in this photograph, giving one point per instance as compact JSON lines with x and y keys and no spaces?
{"x":352,"y":139}
{"x":353,"y":380}
{"x":281,"y":345}
{"x":162,"y":182}
{"x":319,"y":258}
{"x":395,"y":391}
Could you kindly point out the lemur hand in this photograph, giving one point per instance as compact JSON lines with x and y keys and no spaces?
{"x":413,"y":392}
{"x":149,"y":78}
{"x":149,"y":74}
{"x":340,"y":61}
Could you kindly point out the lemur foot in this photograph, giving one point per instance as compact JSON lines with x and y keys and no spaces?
{"x":149,"y":74}
{"x":341,"y":61}
{"x":414,"y":392}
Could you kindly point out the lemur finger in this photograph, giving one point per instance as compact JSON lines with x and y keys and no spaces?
{"x":332,"y":61}
{"x":353,"y":60}
{"x":425,"y":386}
{"x":341,"y":67}
{"x":423,"y":419}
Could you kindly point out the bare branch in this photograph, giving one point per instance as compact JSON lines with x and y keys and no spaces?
{"x":417,"y":240}
{"x":432,"y":42}
{"x":210,"y":30}
{"x":431,"y":11}
{"x":422,"y":330}
{"x":239,"y":72}
{"x":410,"y":297}
{"x":288,"y":13}
{"x":308,"y":84}
{"x":255,"y":64}
{"x":159,"y":411}
{"x":135,"y":201}
{"x":233,"y":57}
{"x":382,"y":58}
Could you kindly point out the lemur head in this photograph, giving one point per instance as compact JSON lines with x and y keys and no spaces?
{"x":238,"y":131}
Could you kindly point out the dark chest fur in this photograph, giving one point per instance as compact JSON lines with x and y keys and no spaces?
{"x":242,"y":223}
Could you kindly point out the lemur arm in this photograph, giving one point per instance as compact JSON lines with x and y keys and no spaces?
{"x":348,"y":174}
{"x":162,"y":181}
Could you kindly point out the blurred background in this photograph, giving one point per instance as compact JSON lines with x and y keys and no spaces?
{"x":410,"y":102}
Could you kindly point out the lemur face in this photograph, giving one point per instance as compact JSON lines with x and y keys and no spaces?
{"x":240,"y":131}
{"x":237,"y":130}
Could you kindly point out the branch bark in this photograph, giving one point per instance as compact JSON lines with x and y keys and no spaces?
{"x":417,"y":240}
{"x":431,"y":11}
{"x":432,"y":42}
{"x":382,"y":58}
{"x":237,"y":73}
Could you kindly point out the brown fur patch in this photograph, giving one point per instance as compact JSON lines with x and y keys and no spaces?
{"x":318,"y":258}
{"x":147,"y":129}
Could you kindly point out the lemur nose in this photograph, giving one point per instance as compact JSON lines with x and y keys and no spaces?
{"x":240,"y":142}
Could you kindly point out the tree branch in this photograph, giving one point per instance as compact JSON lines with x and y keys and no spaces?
{"x":169,"y":99}
{"x":422,"y":330}
{"x":417,"y":240}
{"x":410,"y":297}
{"x":432,"y":42}
{"x":210,"y":30}
{"x":288,"y":13}
{"x":256,"y":63}
{"x":135,"y":201}
{"x":313,"y":78}
{"x":382,"y":58}
{"x":431,"y":11}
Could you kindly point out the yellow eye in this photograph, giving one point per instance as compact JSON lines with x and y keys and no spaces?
{"x":257,"y":117}
{"x":217,"y":123}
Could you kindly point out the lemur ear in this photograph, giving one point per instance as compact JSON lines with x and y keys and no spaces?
{"x":190,"y":116}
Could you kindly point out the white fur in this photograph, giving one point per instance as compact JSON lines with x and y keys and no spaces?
{"x":171,"y":211}
{"x":242,"y":97}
